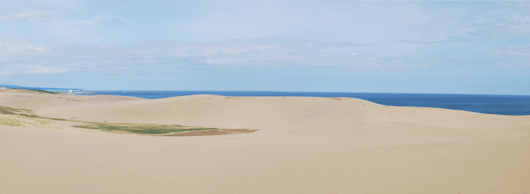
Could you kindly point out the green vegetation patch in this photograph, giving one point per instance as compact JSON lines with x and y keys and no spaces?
{"x":41,"y":91}
{"x":14,"y":111}
{"x":147,"y":129}
{"x":10,"y":122}
{"x":7,"y":110}
{"x":142,"y":129}
{"x":31,"y":116}
{"x":55,"y":119}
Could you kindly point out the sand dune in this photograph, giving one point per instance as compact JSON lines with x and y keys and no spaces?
{"x":303,"y":145}
{"x":219,"y":110}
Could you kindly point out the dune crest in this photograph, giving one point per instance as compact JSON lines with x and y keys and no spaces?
{"x":288,"y":113}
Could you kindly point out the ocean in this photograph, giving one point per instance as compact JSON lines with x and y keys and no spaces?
{"x":489,"y":104}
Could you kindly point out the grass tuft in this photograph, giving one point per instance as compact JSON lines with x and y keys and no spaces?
{"x":43,"y":91}
{"x":10,"y":122}
{"x":7,"y":110}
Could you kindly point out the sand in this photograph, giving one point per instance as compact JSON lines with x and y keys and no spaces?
{"x":302,"y":145}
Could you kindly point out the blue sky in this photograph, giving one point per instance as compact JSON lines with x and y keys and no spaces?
{"x":474,"y":47}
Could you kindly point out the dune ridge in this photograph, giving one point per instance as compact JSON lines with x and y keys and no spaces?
{"x":303,"y":145}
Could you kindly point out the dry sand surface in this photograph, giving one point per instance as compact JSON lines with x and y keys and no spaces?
{"x":302,"y":145}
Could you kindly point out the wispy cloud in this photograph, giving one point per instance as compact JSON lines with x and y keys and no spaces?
{"x":227,"y":42}
{"x":99,"y":18}
{"x":41,"y":14}
{"x":511,"y":51}
{"x":7,"y":73}
{"x":510,"y":22}
{"x":119,"y":18}
{"x":176,"y":56}
{"x":9,"y":43}
{"x":46,"y":70}
{"x":451,"y":39}
{"x":250,"y":53}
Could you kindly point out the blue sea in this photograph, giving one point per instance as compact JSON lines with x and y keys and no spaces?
{"x":490,"y":104}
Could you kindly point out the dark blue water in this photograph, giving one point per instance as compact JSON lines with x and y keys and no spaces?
{"x":490,"y":104}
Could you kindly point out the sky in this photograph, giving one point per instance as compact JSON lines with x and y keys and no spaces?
{"x":471,"y":47}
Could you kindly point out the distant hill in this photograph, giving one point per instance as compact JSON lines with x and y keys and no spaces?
{"x":42,"y":88}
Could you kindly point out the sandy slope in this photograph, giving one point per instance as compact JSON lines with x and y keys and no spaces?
{"x":304,"y":145}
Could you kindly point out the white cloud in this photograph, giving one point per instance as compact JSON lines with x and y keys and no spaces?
{"x":7,"y":73}
{"x":46,"y":70}
{"x":152,"y":60}
{"x":28,"y":14}
{"x":503,"y":65}
{"x":9,"y":43}
{"x":219,"y":61}
{"x":119,"y":18}
{"x":512,"y":51}
{"x":268,"y":52}
{"x":507,"y":22}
